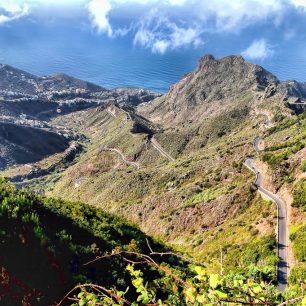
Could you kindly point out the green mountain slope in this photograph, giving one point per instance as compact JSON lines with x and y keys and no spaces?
{"x":56,"y":252}
{"x":176,"y":166}
{"x":46,"y":242}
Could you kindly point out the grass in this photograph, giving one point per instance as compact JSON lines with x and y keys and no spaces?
{"x":163,"y":197}
{"x":298,"y":238}
{"x":234,"y":237}
{"x":207,"y":195}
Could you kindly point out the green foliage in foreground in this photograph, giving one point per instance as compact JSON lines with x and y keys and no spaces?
{"x":298,"y":275}
{"x":260,"y":252}
{"x":197,"y":288}
{"x":57,"y":238}
{"x":163,"y":280}
{"x":29,"y":207}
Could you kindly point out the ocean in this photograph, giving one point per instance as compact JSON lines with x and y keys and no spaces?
{"x":75,"y":49}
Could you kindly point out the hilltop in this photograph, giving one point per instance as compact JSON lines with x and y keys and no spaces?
{"x":217,"y":86}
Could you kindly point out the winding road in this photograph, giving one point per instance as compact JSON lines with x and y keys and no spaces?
{"x":122,"y":157}
{"x":152,"y":139}
{"x":256,"y":144}
{"x":282,"y":230}
{"x":160,"y":149}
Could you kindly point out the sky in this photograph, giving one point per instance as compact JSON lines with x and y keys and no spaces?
{"x":166,"y":25}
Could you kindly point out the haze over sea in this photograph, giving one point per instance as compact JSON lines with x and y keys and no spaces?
{"x":100,"y":44}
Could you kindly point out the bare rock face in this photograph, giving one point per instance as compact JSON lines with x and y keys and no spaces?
{"x":214,"y":86}
{"x":232,"y":73}
{"x":220,"y":79}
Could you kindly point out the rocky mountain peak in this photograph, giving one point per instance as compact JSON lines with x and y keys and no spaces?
{"x":236,"y":66}
{"x":206,"y":59}
{"x":216,"y":84}
{"x":209,"y":59}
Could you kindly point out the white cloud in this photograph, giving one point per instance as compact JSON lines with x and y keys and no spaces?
{"x":235,"y":15}
{"x":162,"y":25}
{"x":99,"y":10}
{"x":299,"y":3}
{"x":259,"y":49}
{"x":159,"y":34}
{"x":12,"y":10}
{"x":157,"y":29}
{"x":160,"y":46}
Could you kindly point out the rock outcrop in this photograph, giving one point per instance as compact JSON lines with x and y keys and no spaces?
{"x":217,"y":85}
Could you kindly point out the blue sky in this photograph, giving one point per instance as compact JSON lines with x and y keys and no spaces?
{"x":162,"y":26}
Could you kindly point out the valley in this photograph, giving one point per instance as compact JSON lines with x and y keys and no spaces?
{"x":175,"y":167}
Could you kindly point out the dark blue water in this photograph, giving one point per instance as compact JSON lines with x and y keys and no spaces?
{"x":68,"y":47}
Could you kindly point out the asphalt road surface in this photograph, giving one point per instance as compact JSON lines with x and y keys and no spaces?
{"x":282,"y":231}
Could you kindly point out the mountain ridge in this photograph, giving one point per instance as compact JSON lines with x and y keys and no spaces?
{"x":175,"y":165}
{"x":27,"y":102}
{"x":213,"y":81}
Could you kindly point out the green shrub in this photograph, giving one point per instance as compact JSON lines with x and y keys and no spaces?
{"x":297,"y":274}
{"x":299,"y":243}
{"x":299,"y":195}
{"x":273,"y":159}
{"x":303,"y":165}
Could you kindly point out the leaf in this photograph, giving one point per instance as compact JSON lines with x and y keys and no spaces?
{"x":221,"y":294}
{"x":214,"y":281}
{"x":190,"y":294}
{"x":200,"y":270}
{"x":256,"y":288}
{"x":82,"y":302}
{"x":201,"y":298}
{"x":137,"y":282}
{"x":236,"y":283}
